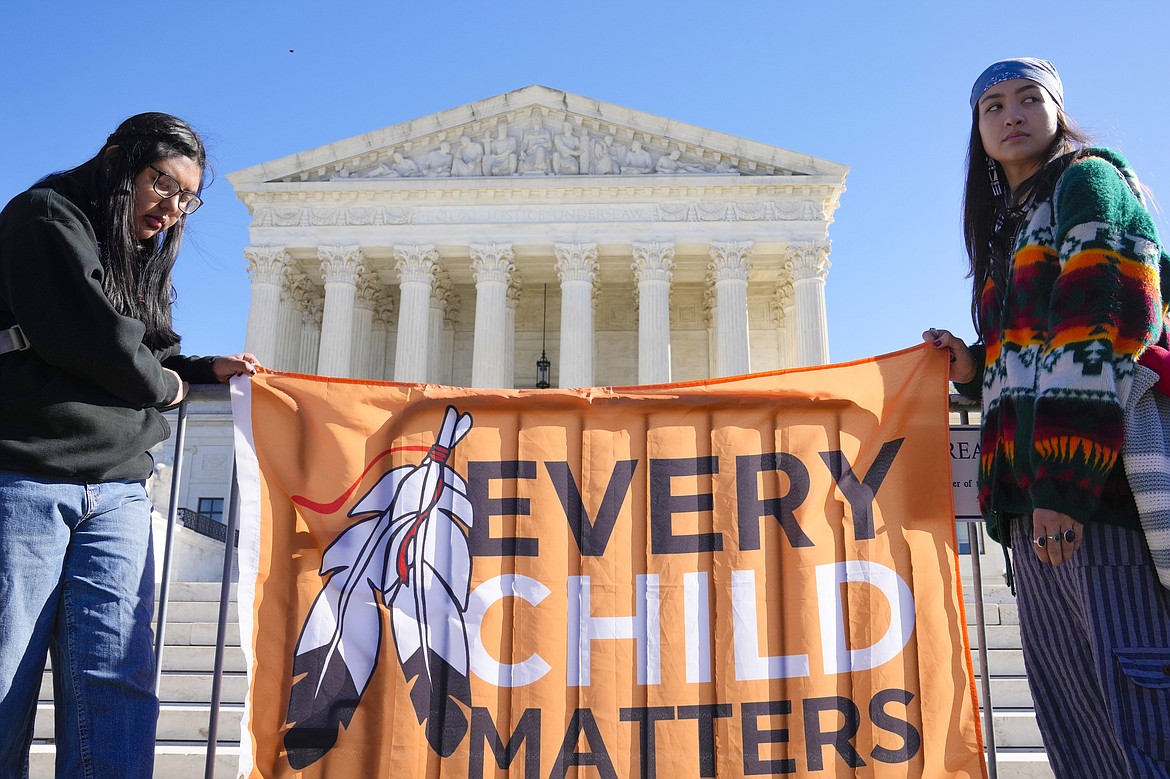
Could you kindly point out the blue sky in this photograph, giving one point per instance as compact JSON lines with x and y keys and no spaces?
{"x":881,"y":87}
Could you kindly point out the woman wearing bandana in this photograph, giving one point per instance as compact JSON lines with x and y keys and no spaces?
{"x":1070,"y":288}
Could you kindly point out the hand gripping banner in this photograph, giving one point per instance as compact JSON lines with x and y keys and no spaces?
{"x":744,"y":577}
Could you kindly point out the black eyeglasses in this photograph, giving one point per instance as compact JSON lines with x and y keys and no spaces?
{"x":166,"y":186}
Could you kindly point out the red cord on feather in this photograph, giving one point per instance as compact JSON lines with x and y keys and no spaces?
{"x":334,"y":505}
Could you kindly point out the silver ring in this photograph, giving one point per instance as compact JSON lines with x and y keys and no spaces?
{"x":1056,"y":537}
{"x":1070,"y":535}
{"x":1040,"y":541}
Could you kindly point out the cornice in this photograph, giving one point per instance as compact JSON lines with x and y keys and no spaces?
{"x":552,"y":106}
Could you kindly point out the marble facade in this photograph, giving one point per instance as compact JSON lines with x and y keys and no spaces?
{"x":423,"y":251}
{"x":458,"y":247}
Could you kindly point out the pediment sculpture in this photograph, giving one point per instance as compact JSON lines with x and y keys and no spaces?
{"x":532,"y":148}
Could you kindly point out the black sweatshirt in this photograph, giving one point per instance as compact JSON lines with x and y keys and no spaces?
{"x":82,"y":404}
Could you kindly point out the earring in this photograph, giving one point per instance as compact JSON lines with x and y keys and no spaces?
{"x":993,"y":174}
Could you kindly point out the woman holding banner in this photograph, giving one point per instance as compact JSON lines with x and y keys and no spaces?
{"x":1068,"y":293}
{"x":88,"y":359}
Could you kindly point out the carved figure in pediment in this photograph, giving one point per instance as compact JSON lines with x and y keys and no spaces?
{"x":570,"y":155}
{"x":401,"y":166}
{"x":602,"y":160}
{"x":536,"y":149}
{"x":672,"y":164}
{"x":469,"y":159}
{"x":637,"y":160}
{"x":438,"y":161}
{"x":501,"y":159}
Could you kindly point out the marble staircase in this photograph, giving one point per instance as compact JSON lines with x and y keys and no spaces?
{"x":188,"y":661}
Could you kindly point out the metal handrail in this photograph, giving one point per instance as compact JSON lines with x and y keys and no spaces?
{"x":203,"y":525}
{"x":219,"y":392}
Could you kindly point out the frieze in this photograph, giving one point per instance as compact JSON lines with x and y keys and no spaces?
{"x":768,"y":211}
{"x":370,"y":216}
{"x":304,"y":216}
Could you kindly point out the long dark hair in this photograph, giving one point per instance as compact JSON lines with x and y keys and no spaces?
{"x":137,"y":277}
{"x":989,"y":249}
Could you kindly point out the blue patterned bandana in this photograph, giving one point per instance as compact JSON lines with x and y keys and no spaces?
{"x":1040,"y":71}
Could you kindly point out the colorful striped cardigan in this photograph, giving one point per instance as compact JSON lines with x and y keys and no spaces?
{"x":1084,"y":298}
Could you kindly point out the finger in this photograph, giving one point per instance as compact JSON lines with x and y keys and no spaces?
{"x":1040,"y":543}
{"x":1057,"y":547}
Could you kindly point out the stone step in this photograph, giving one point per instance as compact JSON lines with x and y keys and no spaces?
{"x":998,"y":636}
{"x":186,"y":659}
{"x":177,"y":722}
{"x":184,"y":687}
{"x":171,"y":761}
{"x":200,"y":633}
{"x":1000,"y":662}
{"x":1022,"y":764}
{"x":195,"y":687}
{"x":198,"y":611}
{"x":199,"y":591}
{"x":182,"y":761}
{"x":189,"y":722}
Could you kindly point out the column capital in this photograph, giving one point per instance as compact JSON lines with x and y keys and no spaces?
{"x":515,"y":290}
{"x":341,"y":264}
{"x":653,"y":261}
{"x":267,"y":264}
{"x":710,"y":303}
{"x":730,"y":260}
{"x":369,"y":288}
{"x":415,"y":263}
{"x":576,"y":262}
{"x":313,"y":311}
{"x":783,"y":299}
{"x":441,"y":289}
{"x":492,"y":262}
{"x":809,"y":260}
{"x":301,"y":288}
{"x":384,"y":309}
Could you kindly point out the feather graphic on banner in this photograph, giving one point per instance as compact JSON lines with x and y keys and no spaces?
{"x":413,"y":557}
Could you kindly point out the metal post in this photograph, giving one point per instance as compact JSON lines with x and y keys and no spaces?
{"x":221,"y":630}
{"x":164,"y":593}
{"x":981,"y":632}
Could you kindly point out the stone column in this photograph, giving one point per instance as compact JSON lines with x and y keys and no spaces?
{"x":365,"y":299}
{"x":340,"y":266}
{"x":709,"y":307}
{"x":439,"y":347}
{"x":577,"y":269}
{"x":267,"y":266}
{"x":653,"y":269}
{"x":730,"y":263}
{"x":515,"y":289}
{"x":782,"y":305}
{"x":383,"y":318}
{"x":311,"y":310}
{"x":808,"y":264}
{"x":288,"y":347}
{"x":493,"y":266}
{"x":416,"y":268}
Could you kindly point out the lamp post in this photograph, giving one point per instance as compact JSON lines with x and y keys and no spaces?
{"x":543,"y":365}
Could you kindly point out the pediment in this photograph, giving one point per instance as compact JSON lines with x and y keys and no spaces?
{"x":532,"y":133}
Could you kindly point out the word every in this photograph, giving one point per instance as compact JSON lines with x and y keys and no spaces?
{"x":592,"y":536}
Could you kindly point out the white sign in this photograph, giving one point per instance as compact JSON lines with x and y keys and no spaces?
{"x":965,"y":470}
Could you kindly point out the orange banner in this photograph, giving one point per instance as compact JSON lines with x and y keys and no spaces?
{"x":742,"y":577}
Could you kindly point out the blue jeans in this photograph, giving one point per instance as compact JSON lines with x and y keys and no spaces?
{"x":77,"y":582}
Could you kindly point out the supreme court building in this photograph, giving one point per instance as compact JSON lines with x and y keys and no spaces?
{"x":454,"y":248}
{"x":459,"y":247}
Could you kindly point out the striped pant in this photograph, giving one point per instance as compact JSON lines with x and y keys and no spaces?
{"x":1096,"y":639}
